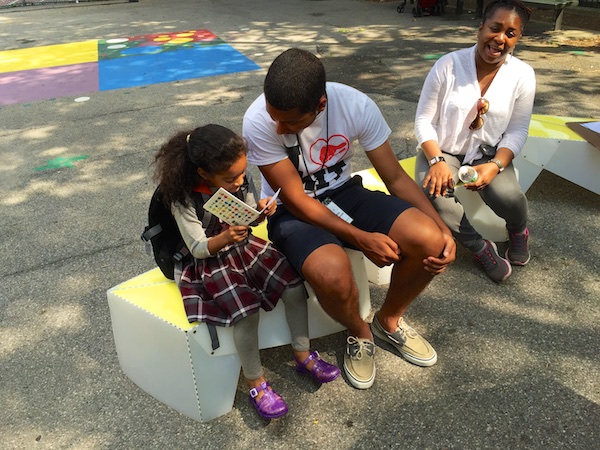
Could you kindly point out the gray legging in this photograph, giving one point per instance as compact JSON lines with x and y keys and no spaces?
{"x":503,"y":195}
{"x":245,"y":331}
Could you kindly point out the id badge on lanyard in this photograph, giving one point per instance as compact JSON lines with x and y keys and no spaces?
{"x":330,"y":204}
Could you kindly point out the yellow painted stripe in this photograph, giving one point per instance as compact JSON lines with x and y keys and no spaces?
{"x":554,"y":127}
{"x":162,"y":300}
{"x":153,"y":276}
{"x":48,"y":56}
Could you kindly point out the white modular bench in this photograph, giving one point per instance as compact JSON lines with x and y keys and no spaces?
{"x":555,"y":147}
{"x":173,"y":360}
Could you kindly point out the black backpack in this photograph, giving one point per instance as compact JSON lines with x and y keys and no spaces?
{"x":162,"y":236}
{"x":163,"y":239}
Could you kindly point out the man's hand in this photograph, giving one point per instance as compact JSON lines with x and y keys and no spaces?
{"x":379,"y":248}
{"x":437,"y":265}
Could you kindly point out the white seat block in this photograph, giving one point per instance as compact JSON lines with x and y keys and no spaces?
{"x":172,"y":359}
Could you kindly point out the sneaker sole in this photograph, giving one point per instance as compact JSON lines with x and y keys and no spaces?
{"x":359,"y":384}
{"x":407,"y":356}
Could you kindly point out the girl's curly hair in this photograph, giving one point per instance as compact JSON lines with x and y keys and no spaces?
{"x":213,"y":148}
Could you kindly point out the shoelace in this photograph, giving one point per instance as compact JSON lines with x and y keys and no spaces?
{"x":405,"y":329}
{"x":488,"y":262}
{"x":518,"y":242}
{"x":356,"y":348}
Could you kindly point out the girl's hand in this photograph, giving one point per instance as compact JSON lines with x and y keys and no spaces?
{"x":235,"y":233}
{"x":270,"y":210}
{"x":439,"y":179}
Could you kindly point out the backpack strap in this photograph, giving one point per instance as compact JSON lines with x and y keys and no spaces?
{"x":214,"y":337}
{"x":182,"y":253}
{"x":149,"y":233}
{"x":210,"y":222}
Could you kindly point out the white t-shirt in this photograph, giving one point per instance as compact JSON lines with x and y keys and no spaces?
{"x":323,"y":157}
{"x":448,"y":105}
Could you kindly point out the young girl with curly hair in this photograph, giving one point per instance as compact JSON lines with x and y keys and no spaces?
{"x":231,"y":273}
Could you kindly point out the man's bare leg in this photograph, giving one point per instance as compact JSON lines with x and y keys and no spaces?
{"x":329,"y":272}
{"x":419,"y":239}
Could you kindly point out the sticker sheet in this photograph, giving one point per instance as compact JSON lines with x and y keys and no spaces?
{"x":230,"y":209}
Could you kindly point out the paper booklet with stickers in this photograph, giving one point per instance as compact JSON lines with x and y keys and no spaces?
{"x":232,"y":210}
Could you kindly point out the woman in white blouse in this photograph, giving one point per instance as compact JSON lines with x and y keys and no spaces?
{"x":475,"y":109}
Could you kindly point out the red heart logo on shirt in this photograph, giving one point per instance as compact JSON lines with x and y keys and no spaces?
{"x":321,"y":152}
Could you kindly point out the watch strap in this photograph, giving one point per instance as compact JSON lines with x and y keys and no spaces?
{"x":498,"y":163}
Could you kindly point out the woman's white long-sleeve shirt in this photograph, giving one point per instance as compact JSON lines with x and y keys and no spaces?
{"x":448,"y":105}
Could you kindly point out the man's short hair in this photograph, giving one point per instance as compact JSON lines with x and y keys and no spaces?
{"x":296,"y":79}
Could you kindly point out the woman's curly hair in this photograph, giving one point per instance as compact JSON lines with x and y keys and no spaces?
{"x":213,"y":148}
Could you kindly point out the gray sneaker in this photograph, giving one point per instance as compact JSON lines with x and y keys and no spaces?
{"x":496,"y":267}
{"x":518,"y":250}
{"x":412,"y":346}
{"x":359,"y":362}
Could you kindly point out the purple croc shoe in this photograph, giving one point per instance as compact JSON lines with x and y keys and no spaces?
{"x":270,"y":405}
{"x":321,"y":371}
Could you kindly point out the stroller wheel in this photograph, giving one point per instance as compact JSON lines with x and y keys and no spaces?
{"x":400,"y":9}
{"x":417,"y":12}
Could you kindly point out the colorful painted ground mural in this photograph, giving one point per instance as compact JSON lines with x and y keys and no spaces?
{"x":53,"y":71}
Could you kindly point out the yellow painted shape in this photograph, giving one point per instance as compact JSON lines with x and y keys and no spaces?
{"x":554,"y":127}
{"x":161,"y":299}
{"x":48,"y":56}
{"x":371,"y":179}
{"x":153,"y":276}
{"x":261,"y":231}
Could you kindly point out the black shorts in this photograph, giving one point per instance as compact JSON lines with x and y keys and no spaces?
{"x":372,"y":211}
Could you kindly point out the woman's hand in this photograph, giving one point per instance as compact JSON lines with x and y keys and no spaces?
{"x":485,"y":174}
{"x":439,"y":179}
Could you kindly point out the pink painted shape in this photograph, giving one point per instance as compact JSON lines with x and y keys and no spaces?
{"x":51,"y":82}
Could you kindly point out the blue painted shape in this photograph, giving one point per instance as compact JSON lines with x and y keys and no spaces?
{"x":181,"y":64}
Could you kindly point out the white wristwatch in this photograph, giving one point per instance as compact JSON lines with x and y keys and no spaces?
{"x":435,"y":160}
{"x":498,"y":163}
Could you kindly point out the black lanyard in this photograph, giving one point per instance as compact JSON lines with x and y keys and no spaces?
{"x":304,"y":157}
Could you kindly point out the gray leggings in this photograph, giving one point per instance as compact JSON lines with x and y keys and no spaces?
{"x":503,"y":195}
{"x":245,"y":331}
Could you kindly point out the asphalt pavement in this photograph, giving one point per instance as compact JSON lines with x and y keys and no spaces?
{"x":518,"y":363}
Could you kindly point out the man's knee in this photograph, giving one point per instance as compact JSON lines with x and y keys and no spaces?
{"x":417,"y":234}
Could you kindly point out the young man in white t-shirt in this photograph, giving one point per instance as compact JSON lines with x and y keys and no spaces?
{"x":300,"y":134}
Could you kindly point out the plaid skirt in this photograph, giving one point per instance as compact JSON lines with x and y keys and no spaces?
{"x":236,"y":282}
